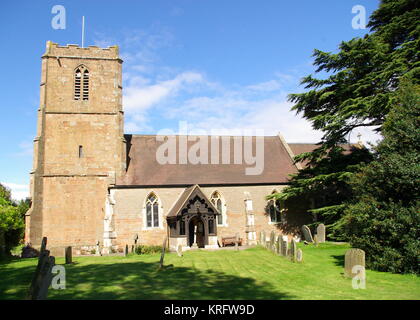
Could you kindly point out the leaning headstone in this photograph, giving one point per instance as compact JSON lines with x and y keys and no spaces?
{"x":42,"y":278}
{"x":162,"y":255}
{"x":293,"y":250}
{"x":179,"y":250}
{"x":68,"y":255}
{"x":307,"y":233}
{"x":299,"y":255}
{"x":43,"y":244}
{"x":320,"y":232}
{"x":353,"y":257}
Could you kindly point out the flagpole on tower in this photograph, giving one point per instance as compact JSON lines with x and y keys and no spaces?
{"x":83,"y":31}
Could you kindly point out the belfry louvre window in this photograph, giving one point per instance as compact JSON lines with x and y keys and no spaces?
{"x":81,"y":83}
{"x":152,"y":211}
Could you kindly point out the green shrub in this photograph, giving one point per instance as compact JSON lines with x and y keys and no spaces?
{"x":143,"y":249}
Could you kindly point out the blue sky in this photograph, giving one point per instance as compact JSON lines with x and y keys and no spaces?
{"x":215,"y":64}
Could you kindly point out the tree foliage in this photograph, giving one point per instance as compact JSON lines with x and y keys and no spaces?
{"x":12,"y":219}
{"x":384,"y":217}
{"x":359,"y":89}
{"x":324,"y":187}
{"x":355,"y":87}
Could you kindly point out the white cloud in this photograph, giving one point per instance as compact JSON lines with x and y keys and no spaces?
{"x":139,"y":98}
{"x":270,"y":115}
{"x":152,"y":89}
{"x":271,"y":85}
{"x":19,"y":191}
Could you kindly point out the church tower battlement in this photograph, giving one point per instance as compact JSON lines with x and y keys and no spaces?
{"x":79,"y":148}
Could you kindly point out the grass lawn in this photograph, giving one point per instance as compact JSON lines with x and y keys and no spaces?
{"x":255,"y":273}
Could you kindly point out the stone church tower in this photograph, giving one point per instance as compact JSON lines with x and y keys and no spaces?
{"x":79,"y":149}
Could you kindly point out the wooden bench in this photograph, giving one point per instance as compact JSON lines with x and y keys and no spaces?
{"x":230,"y":241}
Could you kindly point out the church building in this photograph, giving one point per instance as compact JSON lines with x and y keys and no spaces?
{"x":92,"y":183}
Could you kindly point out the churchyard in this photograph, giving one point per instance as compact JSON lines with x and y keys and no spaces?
{"x":254,"y":273}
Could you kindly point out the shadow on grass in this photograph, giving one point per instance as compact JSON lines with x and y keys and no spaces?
{"x":339,"y":260}
{"x":141,"y":280}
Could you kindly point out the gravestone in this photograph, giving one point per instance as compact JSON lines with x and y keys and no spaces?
{"x":307,"y":233}
{"x":237,"y":242}
{"x":316,"y":240}
{"x":299,"y":255}
{"x":272,"y":239}
{"x":162,"y":255}
{"x":278,"y":244}
{"x":353,"y":257}
{"x":42,"y":278}
{"x":284,"y":247}
{"x":179,"y":250}
{"x":320,"y":232}
{"x":126,"y":250}
{"x":98,"y":249}
{"x":293,"y":250}
{"x":69,"y":255}
{"x":263,"y":239}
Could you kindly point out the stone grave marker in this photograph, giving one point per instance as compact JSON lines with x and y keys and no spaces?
{"x":320,"y":232}
{"x":179,"y":250}
{"x":98,"y":249}
{"x":126,"y":250}
{"x":284,"y":248}
{"x":69,"y":255}
{"x":42,"y":277}
{"x":237,"y":242}
{"x":272,"y":239}
{"x":293,"y":250}
{"x":278,"y":244}
{"x":316,"y":240}
{"x":299,"y":255}
{"x":307,"y":233}
{"x":263,"y":239}
{"x":353,"y":257}
{"x":162,"y":255}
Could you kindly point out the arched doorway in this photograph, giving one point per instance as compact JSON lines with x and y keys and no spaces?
{"x":196,"y":228}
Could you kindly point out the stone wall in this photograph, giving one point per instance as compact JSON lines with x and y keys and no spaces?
{"x":129,"y":212}
{"x":69,"y":190}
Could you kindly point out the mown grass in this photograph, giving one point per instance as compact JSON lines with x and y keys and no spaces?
{"x":255,"y":273}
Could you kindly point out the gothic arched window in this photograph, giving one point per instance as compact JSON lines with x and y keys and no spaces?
{"x":217,"y":201}
{"x":276,"y":211}
{"x":152,"y":211}
{"x":81,"y":83}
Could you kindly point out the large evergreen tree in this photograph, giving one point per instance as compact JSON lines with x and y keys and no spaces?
{"x":358,"y":91}
{"x":384,"y":217}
